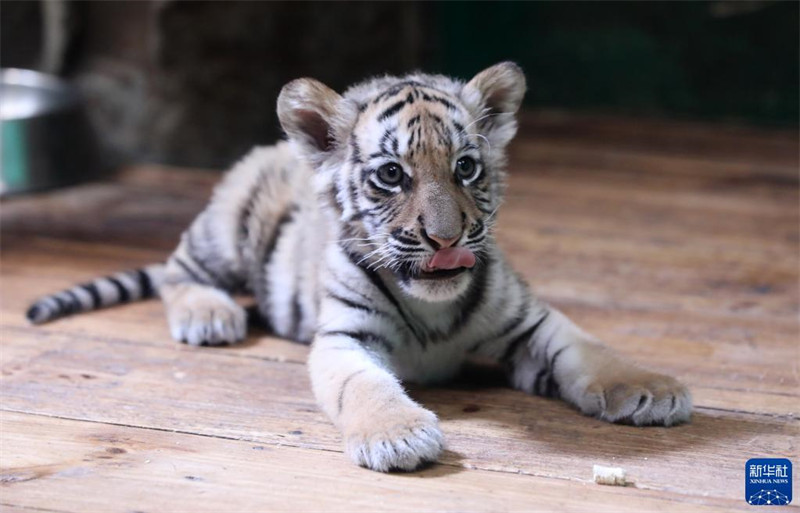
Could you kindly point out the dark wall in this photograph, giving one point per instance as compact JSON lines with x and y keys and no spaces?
{"x":195,"y":83}
{"x":712,"y":60}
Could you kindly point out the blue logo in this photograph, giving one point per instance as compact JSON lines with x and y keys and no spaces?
{"x":768,"y":482}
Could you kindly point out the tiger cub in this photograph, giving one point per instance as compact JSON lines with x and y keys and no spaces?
{"x":370,"y":233}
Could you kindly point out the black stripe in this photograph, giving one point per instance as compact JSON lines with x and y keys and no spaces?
{"x":512,"y":347}
{"x":384,"y":141}
{"x":397,"y":233}
{"x":523,"y":337}
{"x":346,"y":381}
{"x":91,"y":288}
{"x":375,"y":155}
{"x":365,"y":338}
{"x":544,"y":370}
{"x":352,"y":194}
{"x":355,"y":150}
{"x":378,"y":283}
{"x":352,"y":304}
{"x":477,"y":240}
{"x":519,"y":318}
{"x":297,"y":314}
{"x":333,"y":199}
{"x":472,"y":300}
{"x":122,"y":293}
{"x":437,"y":99}
{"x":389,"y":214}
{"x":391,"y":111}
{"x":405,"y":250}
{"x":62,"y":306}
{"x":188,"y":270}
{"x":33,"y":312}
{"x":266,"y":256}
{"x":395,"y":89}
{"x":191,"y":250}
{"x":76,"y":305}
{"x":273,"y":241}
{"x":360,"y":306}
{"x":539,"y":376}
{"x":438,"y":121}
{"x":145,"y":285}
{"x":553,"y":390}
{"x":247,"y":207}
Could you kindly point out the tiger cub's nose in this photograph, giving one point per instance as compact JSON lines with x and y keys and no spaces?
{"x":439,"y":242}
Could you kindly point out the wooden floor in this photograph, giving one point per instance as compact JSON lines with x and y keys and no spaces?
{"x":676,"y":243}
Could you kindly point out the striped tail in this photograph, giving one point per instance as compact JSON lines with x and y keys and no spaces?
{"x":119,"y":288}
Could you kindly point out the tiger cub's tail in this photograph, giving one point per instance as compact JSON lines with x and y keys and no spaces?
{"x":116,"y":289}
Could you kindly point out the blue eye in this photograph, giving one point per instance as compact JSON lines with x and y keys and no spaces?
{"x":466,"y":168}
{"x":390,"y":174}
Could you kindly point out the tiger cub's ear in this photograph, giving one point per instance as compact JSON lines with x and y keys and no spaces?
{"x":496,"y":93}
{"x":314,"y":116}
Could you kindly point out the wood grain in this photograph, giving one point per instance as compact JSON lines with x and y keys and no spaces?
{"x":487,"y":427}
{"x":676,"y":243}
{"x":161,"y":471}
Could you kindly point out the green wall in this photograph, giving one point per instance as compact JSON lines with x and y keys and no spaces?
{"x":712,"y":60}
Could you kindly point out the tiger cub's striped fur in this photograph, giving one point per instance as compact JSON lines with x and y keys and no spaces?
{"x":370,"y":232}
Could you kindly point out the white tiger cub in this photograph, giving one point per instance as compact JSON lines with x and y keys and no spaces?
{"x":370,"y":232}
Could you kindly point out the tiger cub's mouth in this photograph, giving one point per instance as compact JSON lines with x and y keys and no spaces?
{"x":439,"y":274}
{"x":449,"y":259}
{"x":445,"y":263}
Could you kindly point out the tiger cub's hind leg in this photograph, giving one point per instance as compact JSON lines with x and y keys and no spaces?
{"x":221,"y":252}
{"x":197,"y":286}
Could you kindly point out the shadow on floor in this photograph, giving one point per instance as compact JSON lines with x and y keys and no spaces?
{"x":533,"y":424}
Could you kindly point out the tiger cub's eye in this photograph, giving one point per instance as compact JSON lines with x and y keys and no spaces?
{"x":390,"y":174}
{"x":466,"y":168}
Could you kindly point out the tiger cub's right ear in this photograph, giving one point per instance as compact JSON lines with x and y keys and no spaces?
{"x":494,"y":95}
{"x":314,"y":116}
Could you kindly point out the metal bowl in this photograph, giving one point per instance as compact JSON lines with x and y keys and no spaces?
{"x":47,"y":140}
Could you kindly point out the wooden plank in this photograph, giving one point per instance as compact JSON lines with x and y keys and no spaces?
{"x":718,"y":384}
{"x":214,"y":393}
{"x":726,"y":142}
{"x":145,"y":470}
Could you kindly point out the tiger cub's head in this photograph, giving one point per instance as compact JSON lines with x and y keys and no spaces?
{"x":411,"y":167}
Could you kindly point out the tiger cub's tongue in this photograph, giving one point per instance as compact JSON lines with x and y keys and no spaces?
{"x":452,"y":258}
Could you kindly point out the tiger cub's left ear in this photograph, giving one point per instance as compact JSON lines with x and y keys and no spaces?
{"x":314,"y":116}
{"x":496,"y":93}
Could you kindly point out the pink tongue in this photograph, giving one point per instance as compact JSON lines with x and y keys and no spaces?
{"x":452,"y":258}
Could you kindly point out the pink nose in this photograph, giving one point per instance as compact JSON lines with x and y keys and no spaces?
{"x":443,"y":243}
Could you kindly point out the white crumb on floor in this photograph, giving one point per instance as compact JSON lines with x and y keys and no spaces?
{"x":612,"y":476}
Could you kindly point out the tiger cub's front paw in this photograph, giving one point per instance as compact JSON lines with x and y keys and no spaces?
{"x":403,"y":439}
{"x":637,"y":397}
